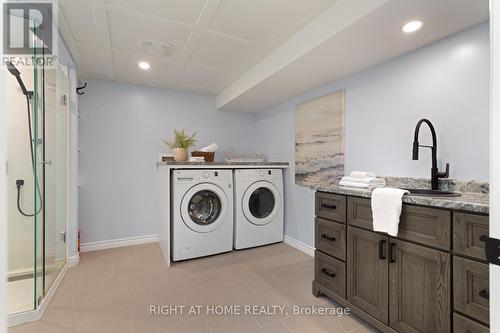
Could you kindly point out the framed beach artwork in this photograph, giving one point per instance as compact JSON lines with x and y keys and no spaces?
{"x":319,"y":140}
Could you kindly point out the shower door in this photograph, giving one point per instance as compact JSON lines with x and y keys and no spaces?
{"x":54,"y":169}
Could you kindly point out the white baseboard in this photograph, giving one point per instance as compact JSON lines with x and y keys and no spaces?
{"x":110,"y":244}
{"x":307,"y":249}
{"x":74,"y":260}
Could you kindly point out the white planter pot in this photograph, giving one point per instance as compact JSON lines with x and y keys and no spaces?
{"x":180,"y":154}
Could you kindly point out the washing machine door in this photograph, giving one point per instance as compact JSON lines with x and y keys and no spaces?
{"x":204,"y":207}
{"x":261,"y":203}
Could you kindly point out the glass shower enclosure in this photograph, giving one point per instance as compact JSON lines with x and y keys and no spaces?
{"x":37,"y":155}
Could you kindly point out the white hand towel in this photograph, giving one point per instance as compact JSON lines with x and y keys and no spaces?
{"x":353,"y":184}
{"x":210,"y":148}
{"x":386,"y":208}
{"x":365,"y":180}
{"x":362,"y":174}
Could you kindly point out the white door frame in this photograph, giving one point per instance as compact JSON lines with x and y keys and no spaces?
{"x":495,"y":159}
{"x":3,"y":196}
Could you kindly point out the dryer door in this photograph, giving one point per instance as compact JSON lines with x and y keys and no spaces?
{"x":204,"y":207}
{"x":261,"y":203}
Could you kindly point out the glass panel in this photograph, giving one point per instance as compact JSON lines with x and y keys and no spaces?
{"x":21,"y":205}
{"x":261,"y":203}
{"x":204,"y":207}
{"x":54,"y":169}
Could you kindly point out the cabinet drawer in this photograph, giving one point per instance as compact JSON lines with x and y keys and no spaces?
{"x":359,"y":212}
{"x":330,"y":206}
{"x":467,"y":229}
{"x":422,"y":225}
{"x":330,"y":238}
{"x":330,"y":273}
{"x":464,"y":325}
{"x":426,"y":226}
{"x":471,"y":288}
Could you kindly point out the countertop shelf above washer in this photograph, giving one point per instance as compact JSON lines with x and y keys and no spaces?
{"x":222,"y":165}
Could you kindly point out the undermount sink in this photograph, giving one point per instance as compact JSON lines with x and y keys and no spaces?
{"x":431,"y":193}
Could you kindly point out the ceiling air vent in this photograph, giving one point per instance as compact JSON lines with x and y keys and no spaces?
{"x":155,"y":48}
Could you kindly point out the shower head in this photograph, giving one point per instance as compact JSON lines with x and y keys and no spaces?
{"x":14,"y":71}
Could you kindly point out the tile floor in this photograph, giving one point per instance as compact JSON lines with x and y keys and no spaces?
{"x":112,"y":291}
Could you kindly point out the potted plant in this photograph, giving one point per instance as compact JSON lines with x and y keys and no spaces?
{"x":180,"y":145}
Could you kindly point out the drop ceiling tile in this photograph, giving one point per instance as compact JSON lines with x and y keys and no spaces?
{"x":97,"y":61}
{"x":209,"y":79}
{"x":225,"y":53}
{"x":260,"y":21}
{"x":126,"y":67}
{"x":186,"y":11}
{"x":82,"y":20}
{"x":128,"y":27}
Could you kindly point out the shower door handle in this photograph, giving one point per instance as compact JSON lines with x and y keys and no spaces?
{"x":49,"y":162}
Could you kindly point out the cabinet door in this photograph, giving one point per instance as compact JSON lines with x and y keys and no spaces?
{"x":419,"y":288}
{"x":368,"y":272}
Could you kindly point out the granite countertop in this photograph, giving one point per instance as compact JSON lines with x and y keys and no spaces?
{"x":474,"y":198}
{"x":223,"y":163}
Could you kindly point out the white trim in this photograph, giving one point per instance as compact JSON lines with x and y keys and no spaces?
{"x":27,"y":316}
{"x":494,"y":158}
{"x":307,"y":249}
{"x":73,"y":260}
{"x":112,"y":243}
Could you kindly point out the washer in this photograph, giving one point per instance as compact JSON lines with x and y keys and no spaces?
{"x":202,"y":213}
{"x":258,"y":207}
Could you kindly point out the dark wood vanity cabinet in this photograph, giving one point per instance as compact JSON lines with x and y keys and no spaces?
{"x":419,"y":288}
{"x":431,"y":278}
{"x":369,"y":289}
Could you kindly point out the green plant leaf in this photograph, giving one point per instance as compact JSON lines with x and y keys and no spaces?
{"x":181,"y":140}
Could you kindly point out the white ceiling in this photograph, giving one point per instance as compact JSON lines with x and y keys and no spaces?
{"x":370,"y":38}
{"x":216,"y":41}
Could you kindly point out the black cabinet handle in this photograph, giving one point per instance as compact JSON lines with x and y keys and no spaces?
{"x":381,"y":249}
{"x":327,"y":206}
{"x":484,"y":294}
{"x":391,"y":252}
{"x":330,"y":238}
{"x":326,"y":272}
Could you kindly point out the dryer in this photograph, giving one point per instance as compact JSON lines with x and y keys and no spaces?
{"x":202,"y":213}
{"x":259,"y":206}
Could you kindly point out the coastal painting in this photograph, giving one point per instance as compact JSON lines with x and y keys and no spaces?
{"x":319,"y":140}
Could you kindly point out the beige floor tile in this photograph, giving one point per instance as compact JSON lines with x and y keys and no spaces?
{"x":365,"y":329}
{"x":277,"y":327}
{"x":232,"y":324}
{"x":270,"y":308}
{"x":294,"y":274}
{"x":234,"y":293}
{"x":306,"y":324}
{"x":302,"y":295}
{"x":265,"y":284}
{"x":197,"y":325}
{"x":119,"y":323}
{"x":142,"y":321}
{"x":113,"y":290}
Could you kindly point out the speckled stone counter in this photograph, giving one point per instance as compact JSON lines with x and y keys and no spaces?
{"x":223,"y":164}
{"x":474,"y":198}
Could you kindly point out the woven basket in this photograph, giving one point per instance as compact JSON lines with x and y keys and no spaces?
{"x":209,"y":156}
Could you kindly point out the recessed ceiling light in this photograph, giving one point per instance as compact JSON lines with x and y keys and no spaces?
{"x":412,"y":26}
{"x":144,"y":65}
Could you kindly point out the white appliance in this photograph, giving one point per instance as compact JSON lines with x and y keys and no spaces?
{"x":202,"y":213}
{"x":258,"y":207}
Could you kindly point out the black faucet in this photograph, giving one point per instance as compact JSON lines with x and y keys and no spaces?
{"x":435,"y":174}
